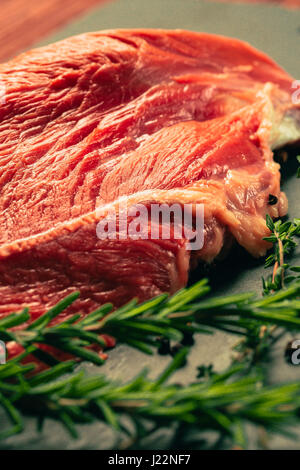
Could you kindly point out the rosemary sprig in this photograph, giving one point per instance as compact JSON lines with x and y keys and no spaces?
{"x":221,"y":403}
{"x":215,"y":405}
{"x":283,"y":239}
{"x":256,"y":346}
{"x":75,"y":398}
{"x":141,"y":325}
{"x":138,"y":325}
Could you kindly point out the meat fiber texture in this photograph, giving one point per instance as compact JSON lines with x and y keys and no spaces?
{"x":143,"y":116}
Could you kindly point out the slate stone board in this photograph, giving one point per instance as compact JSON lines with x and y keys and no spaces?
{"x":275,"y":31}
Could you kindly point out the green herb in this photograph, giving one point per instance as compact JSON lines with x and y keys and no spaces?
{"x":283,"y":238}
{"x":214,"y":404}
{"x":140,"y":325}
{"x":222,"y":402}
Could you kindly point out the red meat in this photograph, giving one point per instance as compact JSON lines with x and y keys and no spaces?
{"x":145,"y":116}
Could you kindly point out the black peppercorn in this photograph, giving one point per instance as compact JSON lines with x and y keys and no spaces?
{"x":176,"y":348}
{"x":164,"y":347}
{"x":188,"y":339}
{"x":272,"y":200}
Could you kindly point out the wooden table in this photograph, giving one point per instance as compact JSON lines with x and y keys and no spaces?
{"x":24,"y":22}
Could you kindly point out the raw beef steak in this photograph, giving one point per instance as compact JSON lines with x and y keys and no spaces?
{"x":145,"y":116}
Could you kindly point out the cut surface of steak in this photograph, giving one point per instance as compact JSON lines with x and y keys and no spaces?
{"x":142,"y":116}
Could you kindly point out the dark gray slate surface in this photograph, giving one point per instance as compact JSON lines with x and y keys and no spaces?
{"x":276,"y":32}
